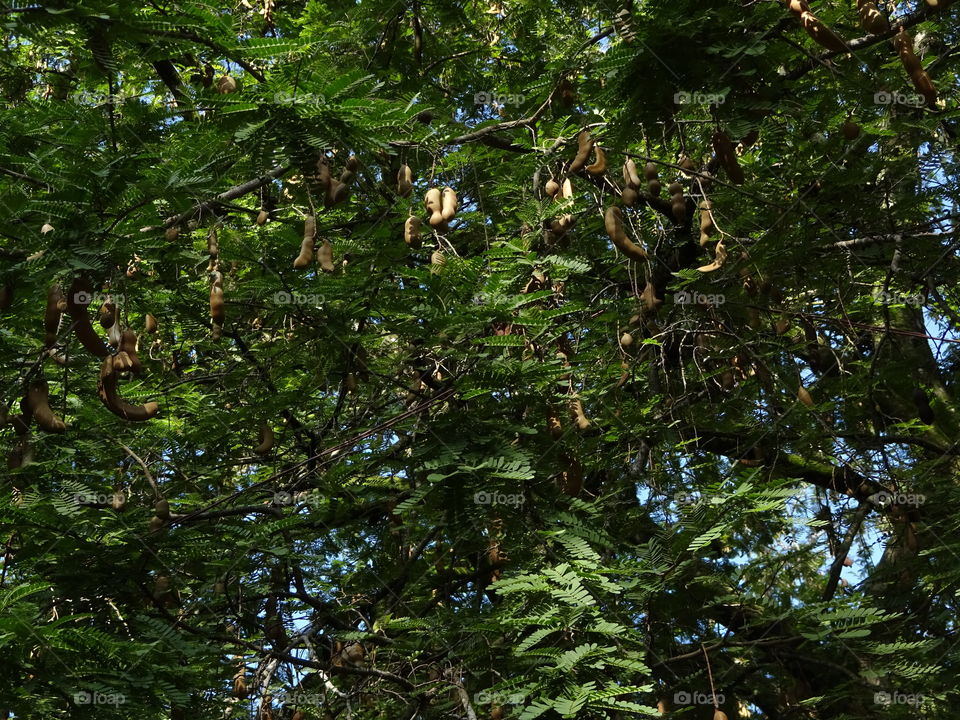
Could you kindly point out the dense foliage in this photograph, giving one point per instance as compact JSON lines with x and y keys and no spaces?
{"x":517,"y":469}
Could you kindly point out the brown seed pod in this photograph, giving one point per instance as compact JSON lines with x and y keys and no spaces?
{"x":36,"y":404}
{"x":782,"y":325}
{"x":561,"y":226}
{"x":155,"y":525}
{"x":848,"y":561}
{"x":162,"y":509}
{"x":850,"y":130}
{"x":337,"y":192}
{"x":113,"y":335}
{"x":554,"y":427}
{"x":720,"y":257}
{"x":107,"y":389}
{"x":325,"y":256}
{"x":630,"y":175}
{"x":213,"y":243}
{"x":579,"y":417}
{"x":599,"y":166}
{"x":924,"y":86}
{"x":613,"y":223}
{"x":433,"y":204}
{"x":217,"y":307}
{"x":46,"y":228}
{"x":240,"y":690}
{"x":171,"y":233}
{"x":552,"y":188}
{"x":305,"y":257}
{"x":649,"y":299}
{"x":226,"y":85}
{"x":821,"y":33}
{"x":803,"y":395}
{"x":797,"y":6}
{"x":566,"y":189}
{"x":411,"y":233}
{"x":150,"y":324}
{"x":707,"y":227}
{"x":404,"y":181}
{"x":675,"y":188}
{"x":262,"y":217}
{"x":265,"y":439}
{"x":626,"y":340}
{"x":584,"y":146}
{"x":566,"y":92}
{"x":654,"y":187}
{"x":127,"y":358}
{"x":871,"y":19}
{"x":629,"y":196}
{"x":448,"y":204}
{"x":56,"y":304}
{"x":727,"y":155}
{"x":352,"y":164}
{"x":78,"y":298}
{"x":719,"y":715}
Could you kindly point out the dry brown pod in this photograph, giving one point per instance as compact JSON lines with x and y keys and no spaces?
{"x":107,"y":389}
{"x":433,"y":203}
{"x":171,"y":233}
{"x":404,"y":181}
{"x":36,"y":403}
{"x":707,"y":227}
{"x":649,"y":299}
{"x":871,"y":19}
{"x":650,"y":171}
{"x":107,"y":314}
{"x":411,"y":233}
{"x":599,"y":165}
{"x":629,"y":196}
{"x":213,"y":243}
{"x":579,"y":416}
{"x":720,"y":257}
{"x":325,"y":256}
{"x":727,"y":155}
{"x":566,"y":189}
{"x":821,"y":33}
{"x":114,"y":334}
{"x":584,"y":146}
{"x":150,"y":323}
{"x":626,"y":340}
{"x":719,"y":715}
{"x":613,"y":223}
{"x":797,"y":6}
{"x":850,"y":130}
{"x":78,"y":298}
{"x":217,"y":307}
{"x":265,"y":439}
{"x":337,"y":192}
{"x":126,"y":357}
{"x":226,"y":85}
{"x":448,"y":204}
{"x":240,"y":690}
{"x":654,"y":187}
{"x":262,"y":217}
{"x":554,"y":427}
{"x":630,"y":175}
{"x":162,"y":509}
{"x":552,"y":188}
{"x":305,"y":257}
{"x":155,"y":525}
{"x":924,"y":85}
{"x":56,"y":304}
{"x":803,"y":395}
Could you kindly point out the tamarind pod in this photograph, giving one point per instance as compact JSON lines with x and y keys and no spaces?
{"x":850,"y":130}
{"x":650,"y":171}
{"x":584,"y":146}
{"x":654,"y":187}
{"x":579,"y":417}
{"x":707,"y":227}
{"x":675,"y":188}
{"x":352,"y":164}
{"x":727,"y":155}
{"x":939,"y":4}
{"x":78,"y":297}
{"x":213,"y":243}
{"x":566,"y":189}
{"x":155,"y":525}
{"x":150,"y":324}
{"x":325,"y":256}
{"x":262,"y":217}
{"x":411,"y":232}
{"x":720,"y":257}
{"x":803,"y":395}
{"x":626,"y":340}
{"x":448,"y":204}
{"x":613,"y":223}
{"x":337,"y":192}
{"x":629,"y":196}
{"x":107,"y":314}
{"x":679,"y":208}
{"x":162,"y":509}
{"x":306,"y":254}
{"x":321,"y":180}
{"x":37,"y":402}
{"x":432,"y":202}
{"x":265,"y":439}
{"x":107,"y":390}
{"x":347,"y":176}
{"x":554,"y":427}
{"x":630,"y":175}
{"x":797,"y":6}
{"x":924,"y":86}
{"x":51,"y":316}
{"x":216,"y":279}
{"x":599,"y":166}
{"x":113,"y":335}
{"x":240,"y":687}
{"x":821,"y":32}
{"x":871,"y":19}
{"x":128,"y":345}
{"x":552,"y":188}
{"x":719,"y":715}
{"x":404,"y":181}
{"x":226,"y":85}
{"x":649,"y":299}
{"x":217,"y":307}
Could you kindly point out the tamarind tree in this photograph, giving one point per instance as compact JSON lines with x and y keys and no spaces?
{"x":504,"y":359}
